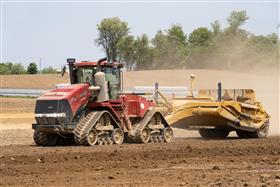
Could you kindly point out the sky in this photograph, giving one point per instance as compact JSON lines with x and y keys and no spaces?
{"x":54,"y":31}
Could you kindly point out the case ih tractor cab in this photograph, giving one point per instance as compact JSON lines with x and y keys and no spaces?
{"x":94,"y":111}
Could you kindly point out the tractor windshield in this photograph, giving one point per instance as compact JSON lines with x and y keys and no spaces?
{"x":86,"y":75}
{"x":112,"y":75}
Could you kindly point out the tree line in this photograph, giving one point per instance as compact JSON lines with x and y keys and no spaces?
{"x":10,"y":68}
{"x":230,"y":48}
{"x":218,"y":48}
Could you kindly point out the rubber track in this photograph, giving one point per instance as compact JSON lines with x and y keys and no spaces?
{"x":40,"y":139}
{"x":84,"y":126}
{"x":140,"y":126}
{"x":44,"y":139}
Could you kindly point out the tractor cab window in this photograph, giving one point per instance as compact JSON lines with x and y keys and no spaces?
{"x":112,"y":75}
{"x":86,"y":75}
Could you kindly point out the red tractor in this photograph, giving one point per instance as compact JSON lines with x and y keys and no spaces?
{"x":94,"y":111}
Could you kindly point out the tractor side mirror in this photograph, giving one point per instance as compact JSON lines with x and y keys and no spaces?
{"x":63,"y":71}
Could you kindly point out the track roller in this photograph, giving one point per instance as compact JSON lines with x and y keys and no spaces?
{"x":143,"y":136}
{"x":117,"y":136}
{"x":92,"y":137}
{"x":167,"y":134}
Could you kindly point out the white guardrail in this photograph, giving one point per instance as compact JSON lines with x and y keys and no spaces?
{"x":21,"y":92}
{"x":166,"y":90}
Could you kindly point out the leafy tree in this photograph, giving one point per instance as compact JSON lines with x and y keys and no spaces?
{"x":216,"y":27}
{"x":264,"y":44}
{"x":111,"y":31}
{"x":126,"y":50}
{"x":228,"y":48}
{"x":32,"y":68}
{"x":49,"y":70}
{"x":177,"y":39}
{"x":9,"y":65}
{"x":17,"y":69}
{"x":159,"y":42}
{"x":134,"y":52}
{"x":177,"y":35}
{"x":4,"y":69}
{"x":160,"y":50}
{"x":169,"y":48}
{"x":274,"y":38}
{"x":142,"y":52}
{"x":236,"y":19}
{"x":200,"y":37}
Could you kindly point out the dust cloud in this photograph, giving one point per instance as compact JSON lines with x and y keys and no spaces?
{"x":255,"y":54}
{"x":237,"y":63}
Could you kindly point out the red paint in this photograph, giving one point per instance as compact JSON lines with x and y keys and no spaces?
{"x":137,"y":105}
{"x":77,"y":95}
{"x":94,"y":64}
{"x":127,"y":105}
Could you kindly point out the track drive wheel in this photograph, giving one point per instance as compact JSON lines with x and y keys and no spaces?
{"x":117,"y":136}
{"x":167,"y":134}
{"x":44,"y":139}
{"x":144,"y":135}
{"x":92,"y":137}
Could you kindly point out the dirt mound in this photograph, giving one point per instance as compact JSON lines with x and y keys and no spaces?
{"x":32,"y":81}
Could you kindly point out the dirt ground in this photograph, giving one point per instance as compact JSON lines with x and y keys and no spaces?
{"x":15,"y":111}
{"x":187,"y":161}
{"x":184,"y":162}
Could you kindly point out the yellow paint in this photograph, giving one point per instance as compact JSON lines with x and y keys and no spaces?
{"x":238,"y":108}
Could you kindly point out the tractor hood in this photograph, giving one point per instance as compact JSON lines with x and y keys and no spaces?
{"x":63,"y":101}
{"x":72,"y":92}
